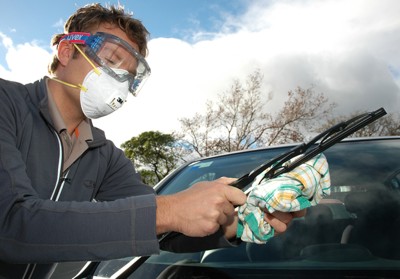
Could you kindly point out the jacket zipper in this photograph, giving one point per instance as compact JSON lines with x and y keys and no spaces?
{"x":60,"y":181}
{"x":54,"y":197}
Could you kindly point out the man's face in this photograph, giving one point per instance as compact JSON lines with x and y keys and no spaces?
{"x":112,"y":54}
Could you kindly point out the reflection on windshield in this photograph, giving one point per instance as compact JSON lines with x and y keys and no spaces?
{"x":210,"y":169}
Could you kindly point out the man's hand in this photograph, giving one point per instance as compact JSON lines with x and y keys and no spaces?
{"x":201,"y":209}
{"x":206,"y":206}
{"x":278,"y":220}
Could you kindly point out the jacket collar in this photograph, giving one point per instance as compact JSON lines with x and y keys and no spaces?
{"x":39,"y":96}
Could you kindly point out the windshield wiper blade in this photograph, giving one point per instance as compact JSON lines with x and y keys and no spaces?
{"x":306,"y":151}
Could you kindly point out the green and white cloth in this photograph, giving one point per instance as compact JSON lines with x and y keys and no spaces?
{"x":300,"y":188}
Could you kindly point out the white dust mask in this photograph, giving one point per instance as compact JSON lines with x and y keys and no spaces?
{"x":101,"y":94}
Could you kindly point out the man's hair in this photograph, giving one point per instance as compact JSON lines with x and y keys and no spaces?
{"x":91,"y":16}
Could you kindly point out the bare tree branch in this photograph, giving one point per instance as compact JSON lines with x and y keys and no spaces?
{"x":238,"y":119}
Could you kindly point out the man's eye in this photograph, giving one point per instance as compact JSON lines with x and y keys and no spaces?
{"x":110,"y":62}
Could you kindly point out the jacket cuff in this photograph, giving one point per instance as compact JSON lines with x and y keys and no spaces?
{"x":143,"y":225}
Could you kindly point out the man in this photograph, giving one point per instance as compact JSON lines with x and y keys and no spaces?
{"x":67,"y":193}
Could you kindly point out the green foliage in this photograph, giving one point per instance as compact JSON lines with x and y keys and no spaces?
{"x":148,"y":177}
{"x":153,"y":154}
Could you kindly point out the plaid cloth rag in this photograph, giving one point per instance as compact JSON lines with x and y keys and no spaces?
{"x":300,"y":188}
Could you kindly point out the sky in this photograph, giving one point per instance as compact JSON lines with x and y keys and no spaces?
{"x":346,"y":49}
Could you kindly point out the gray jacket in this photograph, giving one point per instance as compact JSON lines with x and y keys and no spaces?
{"x":47,"y":218}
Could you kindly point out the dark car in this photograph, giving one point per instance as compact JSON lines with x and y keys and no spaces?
{"x":353,"y":233}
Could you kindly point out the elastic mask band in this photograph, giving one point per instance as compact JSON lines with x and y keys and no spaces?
{"x":79,"y":86}
{"x":88,"y":60}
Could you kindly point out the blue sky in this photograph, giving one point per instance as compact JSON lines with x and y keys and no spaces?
{"x":39,"y":20}
{"x":346,"y":49}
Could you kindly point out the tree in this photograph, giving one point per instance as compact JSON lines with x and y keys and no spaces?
{"x":154,"y":154}
{"x":388,"y":125}
{"x":238,"y":120}
{"x":298,"y":116}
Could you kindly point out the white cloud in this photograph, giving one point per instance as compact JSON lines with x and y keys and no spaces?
{"x":25,"y":62}
{"x":6,"y":41}
{"x":59,"y":25}
{"x":347,"y":49}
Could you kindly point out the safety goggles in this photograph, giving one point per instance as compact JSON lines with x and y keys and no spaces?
{"x":111,"y":52}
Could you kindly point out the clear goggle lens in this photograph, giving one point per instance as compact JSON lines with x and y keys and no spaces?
{"x":111,"y":52}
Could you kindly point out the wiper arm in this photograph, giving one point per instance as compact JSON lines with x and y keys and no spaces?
{"x":310,"y":149}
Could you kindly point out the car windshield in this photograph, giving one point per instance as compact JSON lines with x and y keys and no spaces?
{"x":356,"y":229}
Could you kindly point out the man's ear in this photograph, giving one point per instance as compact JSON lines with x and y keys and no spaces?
{"x":65,"y":52}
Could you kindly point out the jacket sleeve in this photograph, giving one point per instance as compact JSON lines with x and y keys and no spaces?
{"x":119,"y":177}
{"x":38,"y":230}
{"x":176,"y":242}
{"x":115,"y":187}
{"x":179,"y":243}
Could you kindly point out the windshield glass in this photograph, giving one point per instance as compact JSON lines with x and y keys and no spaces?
{"x":235,"y":166}
{"x":356,"y":229}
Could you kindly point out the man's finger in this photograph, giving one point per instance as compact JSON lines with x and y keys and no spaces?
{"x":235,"y":196}
{"x":226,"y":180}
{"x":284,"y":217}
{"x":277,"y":224}
{"x":300,"y":213}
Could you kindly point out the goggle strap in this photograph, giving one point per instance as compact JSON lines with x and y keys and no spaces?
{"x":76,"y":37}
{"x":88,"y":60}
